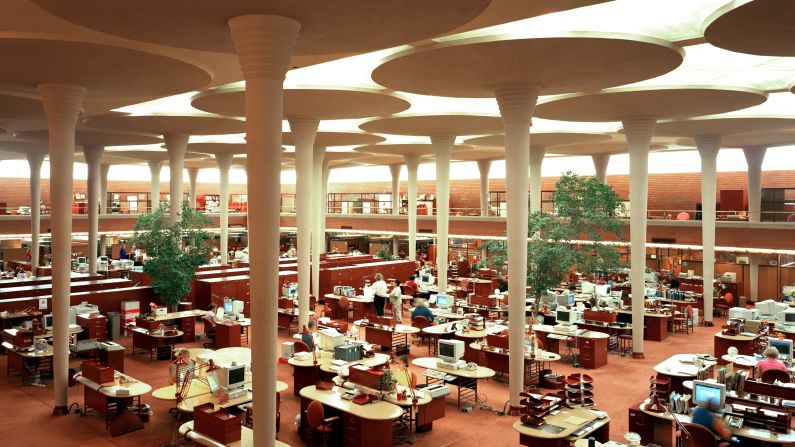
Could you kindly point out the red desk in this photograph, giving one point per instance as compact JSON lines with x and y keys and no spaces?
{"x":227,"y":335}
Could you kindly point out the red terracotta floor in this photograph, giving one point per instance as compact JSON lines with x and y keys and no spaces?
{"x":622,"y":383}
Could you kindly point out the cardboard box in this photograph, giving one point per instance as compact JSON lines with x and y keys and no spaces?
{"x":218,"y":425}
{"x":97,"y":372}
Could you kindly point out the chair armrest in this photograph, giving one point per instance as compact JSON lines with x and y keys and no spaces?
{"x":331,"y":420}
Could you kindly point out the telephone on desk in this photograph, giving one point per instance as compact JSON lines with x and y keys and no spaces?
{"x":734,"y":422}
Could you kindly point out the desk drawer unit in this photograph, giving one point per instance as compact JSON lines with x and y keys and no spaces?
{"x":93,"y":327}
{"x":366,"y":432}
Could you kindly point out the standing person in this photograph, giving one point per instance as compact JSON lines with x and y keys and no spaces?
{"x":396,"y":299}
{"x":123,"y":252}
{"x":380,"y":294}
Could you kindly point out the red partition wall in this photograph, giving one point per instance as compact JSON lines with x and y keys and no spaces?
{"x":355,"y":275}
{"x":107,"y":300}
{"x":79,"y":286}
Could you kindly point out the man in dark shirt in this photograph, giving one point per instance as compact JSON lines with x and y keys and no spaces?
{"x":422,"y":311}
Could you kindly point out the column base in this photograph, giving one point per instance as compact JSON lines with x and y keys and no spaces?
{"x":514,"y":411}
{"x":638,"y":355}
{"x":707,"y":324}
{"x":61,"y":410}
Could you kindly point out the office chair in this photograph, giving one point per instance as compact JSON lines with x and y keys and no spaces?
{"x":771,"y":375}
{"x":248,"y":409}
{"x":680,"y":323}
{"x":321,"y":426}
{"x":209,"y":331}
{"x":300,"y":346}
{"x":697,"y":436}
{"x":346,"y":308}
{"x":723,"y":305}
{"x":420,"y":323}
{"x":408,"y":290}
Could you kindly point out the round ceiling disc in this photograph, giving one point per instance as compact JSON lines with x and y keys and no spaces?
{"x":341,"y":26}
{"x":19,"y":107}
{"x":332,"y":139}
{"x":602,"y":147}
{"x":218,"y":148}
{"x":427,"y":125}
{"x":318,"y":103}
{"x":761,"y":139}
{"x":25,"y":147}
{"x":382,"y":160}
{"x":107,"y":159}
{"x":169,"y":124}
{"x":569,"y":62}
{"x":722,"y":125}
{"x":104,"y":70}
{"x":151,"y":155}
{"x":655,"y":102}
{"x":93,"y":137}
{"x":543,"y":139}
{"x":201,"y":164}
{"x":419,"y":149}
{"x":330,"y":156}
{"x":479,"y":154}
{"x":761,"y":27}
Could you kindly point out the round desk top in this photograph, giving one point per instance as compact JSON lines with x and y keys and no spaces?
{"x":439,"y":329}
{"x":164,"y":336}
{"x":229,"y":355}
{"x":246,"y":437}
{"x":280,"y":386}
{"x":399,"y":328}
{"x":422,"y":398}
{"x":552,"y":330}
{"x":430,"y":362}
{"x":559,"y":419}
{"x":35,"y":353}
{"x":377,"y":359}
{"x":545,"y":356}
{"x":169,"y":392}
{"x":748,"y":361}
{"x":680,"y":365}
{"x":720,"y":334}
{"x":377,"y":411}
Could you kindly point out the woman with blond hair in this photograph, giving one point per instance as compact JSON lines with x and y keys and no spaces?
{"x":380,"y":294}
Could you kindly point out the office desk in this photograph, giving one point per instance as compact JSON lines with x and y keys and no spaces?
{"x":497,"y":359}
{"x":246,"y":437}
{"x":655,"y":324}
{"x":470,"y":335}
{"x":306,"y":372}
{"x":387,"y":335}
{"x":227,"y":334}
{"x":225,"y":356}
{"x":592,"y":345}
{"x":428,"y":409}
{"x":187,"y":322}
{"x":662,"y":431}
{"x":746,"y":345}
{"x":485,"y":311}
{"x":28,"y":363}
{"x":439,"y":332}
{"x":466,"y":380}
{"x":533,"y":436}
{"x":10,"y":319}
{"x":362,"y":425}
{"x":157,"y":345}
{"x":103,"y":399}
{"x":360,"y":305}
{"x":679,"y":368}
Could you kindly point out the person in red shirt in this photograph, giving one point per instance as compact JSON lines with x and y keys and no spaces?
{"x":770,"y":361}
{"x":411,"y":283}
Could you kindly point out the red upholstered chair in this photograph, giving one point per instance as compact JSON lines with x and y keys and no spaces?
{"x":683,"y":216}
{"x":772,"y":375}
{"x":346,"y":308}
{"x":300,"y":346}
{"x":209,"y":331}
{"x":725,"y":304}
{"x":420,"y":323}
{"x":408,"y":290}
{"x":322,"y":427}
{"x":697,"y":436}
{"x":680,"y":323}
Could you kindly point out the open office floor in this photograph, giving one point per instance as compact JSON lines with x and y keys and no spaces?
{"x":622,"y":383}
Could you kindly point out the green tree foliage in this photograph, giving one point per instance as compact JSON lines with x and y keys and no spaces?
{"x":174,"y":250}
{"x":497,"y":252}
{"x":586,"y":209}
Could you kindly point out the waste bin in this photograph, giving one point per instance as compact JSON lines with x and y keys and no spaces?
{"x":114,"y":325}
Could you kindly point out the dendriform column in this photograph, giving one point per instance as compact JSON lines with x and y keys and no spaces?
{"x":412,"y":165}
{"x":304,"y":131}
{"x":61,"y":106}
{"x":224,"y":164}
{"x":35,"y":161}
{"x":394,"y":170}
{"x":639,"y":132}
{"x":600,"y":162}
{"x":536,"y":159}
{"x":484,"y":166}
{"x":177,"y":146}
{"x":324,"y":203}
{"x":154,"y":170}
{"x":193,"y":178}
{"x":442,"y":152}
{"x":318,"y":215}
{"x":93,"y":155}
{"x":754,"y":157}
{"x":516,"y":107}
{"x":264,"y":44}
{"x":708,"y":147}
{"x":104,"y":169}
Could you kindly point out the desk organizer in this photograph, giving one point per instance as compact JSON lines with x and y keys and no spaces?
{"x":218,"y":425}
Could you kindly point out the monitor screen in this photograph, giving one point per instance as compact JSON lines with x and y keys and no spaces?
{"x":784,"y":347}
{"x":82,"y":260}
{"x":426,"y":278}
{"x":446,"y":350}
{"x":443,"y":301}
{"x":228,"y":308}
{"x":789,"y":317}
{"x":563,"y":316}
{"x":571,"y":300}
{"x":709,"y":393}
{"x":563,"y":300}
{"x":236,"y":376}
{"x":48,"y":321}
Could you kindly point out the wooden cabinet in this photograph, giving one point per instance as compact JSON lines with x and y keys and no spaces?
{"x":641,"y":423}
{"x":593,"y":352}
{"x":227,"y":335}
{"x":94,"y":326}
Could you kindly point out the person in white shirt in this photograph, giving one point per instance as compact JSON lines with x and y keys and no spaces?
{"x":380,"y":294}
{"x":396,"y":299}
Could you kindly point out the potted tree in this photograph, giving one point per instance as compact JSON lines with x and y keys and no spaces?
{"x":174,"y":250}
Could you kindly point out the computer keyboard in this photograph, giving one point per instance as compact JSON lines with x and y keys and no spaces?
{"x":557,"y":336}
{"x":439,"y":375}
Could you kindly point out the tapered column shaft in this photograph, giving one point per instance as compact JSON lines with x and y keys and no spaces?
{"x":34,"y":162}
{"x":708,"y":147}
{"x":484,"y":166}
{"x":154,"y":174}
{"x":93,"y":155}
{"x":177,"y":146}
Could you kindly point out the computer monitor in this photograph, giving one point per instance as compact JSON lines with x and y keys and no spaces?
{"x":425,"y":279}
{"x":789,"y":317}
{"x":231,"y":377}
{"x":562,"y":300}
{"x":228,"y":307}
{"x":451,"y":350}
{"x":784,"y":347}
{"x":292,"y":292}
{"x":48,"y":321}
{"x":82,"y":260}
{"x":103,"y":259}
{"x":237,"y":307}
{"x":571,"y":300}
{"x":445,"y":301}
{"x":770,"y":308}
{"x":219,"y":314}
{"x":548,"y":299}
{"x":587,"y":287}
{"x":565,"y":316}
{"x":709,"y":393}
{"x":602,"y":290}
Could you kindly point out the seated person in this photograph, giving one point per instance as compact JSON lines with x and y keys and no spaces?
{"x":181,"y":367}
{"x":770,"y":361}
{"x":308,"y":336}
{"x":413,"y":284}
{"x":421,"y":310}
{"x":706,"y":415}
{"x":210,"y":313}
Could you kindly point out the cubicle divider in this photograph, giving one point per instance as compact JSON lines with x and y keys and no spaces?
{"x":107,"y":300}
